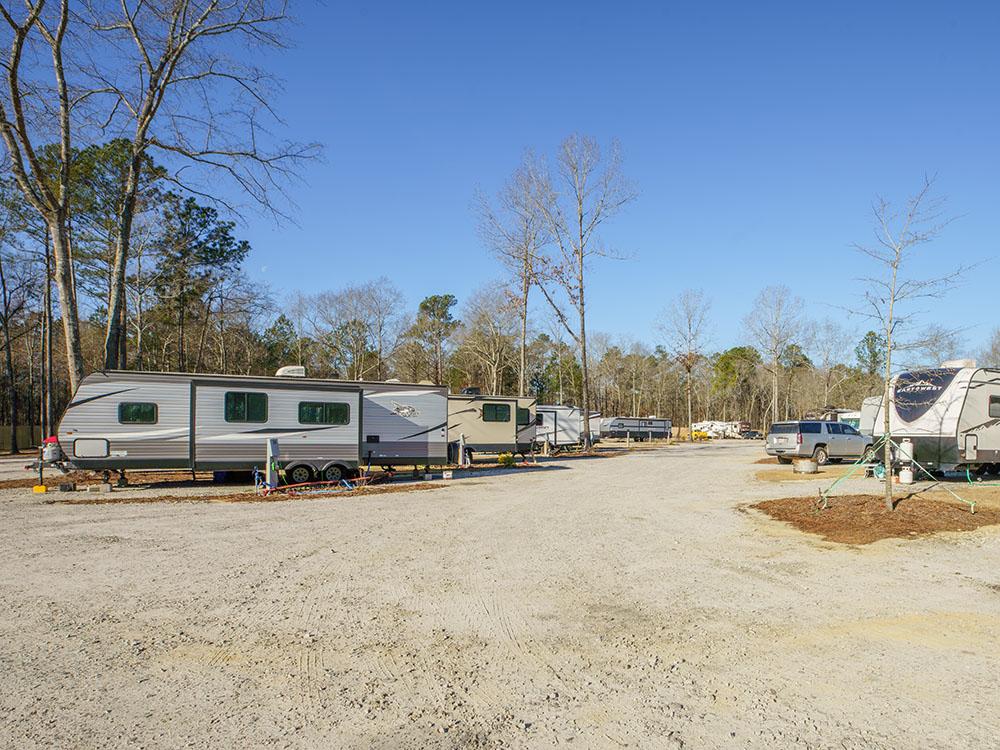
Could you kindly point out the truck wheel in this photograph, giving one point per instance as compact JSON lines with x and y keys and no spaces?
{"x":821,"y":456}
{"x":333,"y":473}
{"x":299,"y":474}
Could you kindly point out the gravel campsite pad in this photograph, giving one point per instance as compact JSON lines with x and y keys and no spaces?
{"x":641,"y":602}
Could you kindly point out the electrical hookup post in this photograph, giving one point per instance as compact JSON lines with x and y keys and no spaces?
{"x":271,"y":471}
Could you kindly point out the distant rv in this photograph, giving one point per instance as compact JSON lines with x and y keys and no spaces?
{"x":950,"y":413}
{"x":490,"y":424}
{"x":120,"y":420}
{"x":649,"y":428}
{"x":564,"y":425}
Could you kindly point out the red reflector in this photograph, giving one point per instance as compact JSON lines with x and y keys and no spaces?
{"x":798,"y":438}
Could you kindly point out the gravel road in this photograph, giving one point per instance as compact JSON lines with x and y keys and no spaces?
{"x":601,"y":603}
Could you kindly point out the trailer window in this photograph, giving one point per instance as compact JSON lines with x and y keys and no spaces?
{"x":995,"y":406}
{"x":246,"y":407}
{"x":523,"y":416}
{"x":496,"y":412}
{"x":324,"y":412}
{"x":539,"y":418}
{"x":137,"y":412}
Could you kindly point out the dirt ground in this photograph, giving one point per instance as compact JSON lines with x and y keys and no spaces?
{"x":640,"y":602}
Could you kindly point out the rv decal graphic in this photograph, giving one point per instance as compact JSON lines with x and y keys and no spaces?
{"x":405,"y":410}
{"x":916,"y":392}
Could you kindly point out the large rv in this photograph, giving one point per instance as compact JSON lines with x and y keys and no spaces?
{"x":122,"y":420}
{"x":326,"y":428}
{"x":950,"y":413}
{"x":564,"y":425}
{"x":636,"y":428}
{"x":491,"y":424}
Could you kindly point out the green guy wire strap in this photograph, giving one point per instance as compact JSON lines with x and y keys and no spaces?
{"x":968,"y":478}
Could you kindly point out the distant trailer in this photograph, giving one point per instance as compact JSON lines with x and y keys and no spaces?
{"x":122,"y":420}
{"x":636,"y":428}
{"x":491,"y":424}
{"x":564,"y":425}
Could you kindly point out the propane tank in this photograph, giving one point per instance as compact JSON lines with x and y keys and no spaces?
{"x":906,"y":475}
{"x":906,"y":451}
{"x":50,"y":450}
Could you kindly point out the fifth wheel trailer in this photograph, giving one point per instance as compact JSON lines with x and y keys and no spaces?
{"x":951,"y":414}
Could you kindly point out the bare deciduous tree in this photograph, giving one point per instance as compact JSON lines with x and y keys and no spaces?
{"x":33,"y":112}
{"x":899,"y":233}
{"x":683,"y":327}
{"x":773,"y":323}
{"x":584,"y":191}
{"x":516,"y":232}
{"x":172,"y":78}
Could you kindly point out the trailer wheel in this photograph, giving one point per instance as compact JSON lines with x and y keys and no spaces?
{"x":299,"y":474}
{"x":333,"y":473}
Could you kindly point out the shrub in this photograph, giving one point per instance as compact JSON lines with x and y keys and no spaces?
{"x":507,"y":460}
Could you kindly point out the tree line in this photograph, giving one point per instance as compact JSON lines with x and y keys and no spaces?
{"x":125,"y":251}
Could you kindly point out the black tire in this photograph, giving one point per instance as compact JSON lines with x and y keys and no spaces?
{"x":334,"y":473}
{"x":867,"y":454}
{"x":783,"y":460}
{"x":298,"y":474}
{"x":821,"y":456}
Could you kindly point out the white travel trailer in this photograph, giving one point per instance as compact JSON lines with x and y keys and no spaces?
{"x":564,"y":425}
{"x":491,"y":424}
{"x":951,"y":414}
{"x":636,"y":428}
{"x":122,"y":420}
{"x":146,"y":420}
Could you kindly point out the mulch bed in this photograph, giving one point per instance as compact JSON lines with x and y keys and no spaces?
{"x":142,"y":478}
{"x":769,"y":460}
{"x":239,"y":497}
{"x":863,"y":519}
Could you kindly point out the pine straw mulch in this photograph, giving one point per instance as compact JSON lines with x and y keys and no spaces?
{"x":240,"y":497}
{"x":863,"y":519}
{"x":768,"y":460}
{"x":141,"y":478}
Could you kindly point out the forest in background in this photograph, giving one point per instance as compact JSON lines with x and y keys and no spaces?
{"x":127,"y":251}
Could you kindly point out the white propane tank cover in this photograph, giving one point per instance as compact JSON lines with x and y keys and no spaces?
{"x":958,"y":363}
{"x":906,"y":450}
{"x":291,"y":371}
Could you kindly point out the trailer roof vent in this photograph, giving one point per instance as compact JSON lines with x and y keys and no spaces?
{"x":393,"y":380}
{"x":472,"y":390}
{"x":952,"y":363}
{"x":291,"y":371}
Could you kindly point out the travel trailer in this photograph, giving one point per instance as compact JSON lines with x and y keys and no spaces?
{"x":326,"y":428}
{"x":636,"y":428}
{"x":563,"y":425}
{"x":951,"y":414}
{"x":120,"y":420}
{"x":491,"y":424}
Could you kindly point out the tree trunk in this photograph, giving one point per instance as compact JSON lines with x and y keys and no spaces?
{"x":9,"y":362}
{"x":114,"y":339}
{"x":522,"y":375}
{"x":47,"y":382}
{"x":67,"y":300}
{"x":690,"y":410}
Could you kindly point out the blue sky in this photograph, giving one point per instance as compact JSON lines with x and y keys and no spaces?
{"x":757,"y":134}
